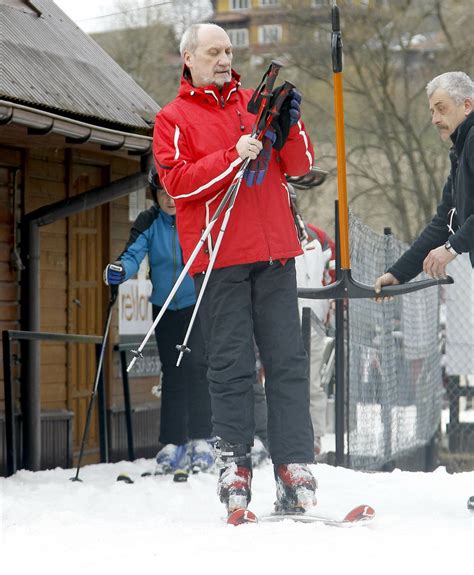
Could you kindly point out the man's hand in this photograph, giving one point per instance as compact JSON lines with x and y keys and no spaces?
{"x":436,"y":261}
{"x":248,"y":147}
{"x":386,"y":279}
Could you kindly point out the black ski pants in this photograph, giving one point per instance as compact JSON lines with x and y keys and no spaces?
{"x":185,"y":401}
{"x":239,"y":302}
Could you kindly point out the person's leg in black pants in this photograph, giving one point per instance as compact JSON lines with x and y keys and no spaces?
{"x":194,"y":366}
{"x":173,"y":421}
{"x":278,"y":336}
{"x":226,"y":319}
{"x":185,"y":402}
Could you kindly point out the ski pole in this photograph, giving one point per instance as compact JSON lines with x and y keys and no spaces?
{"x":137,"y":353}
{"x":113,"y":297}
{"x":183,"y":348}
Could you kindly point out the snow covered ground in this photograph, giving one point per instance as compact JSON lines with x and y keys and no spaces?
{"x":153,"y":526}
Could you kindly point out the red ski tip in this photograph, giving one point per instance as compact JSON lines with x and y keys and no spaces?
{"x":241,"y":516}
{"x":360,"y":513}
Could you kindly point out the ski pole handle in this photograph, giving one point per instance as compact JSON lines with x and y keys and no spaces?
{"x":259,"y":102}
{"x":274,"y":111}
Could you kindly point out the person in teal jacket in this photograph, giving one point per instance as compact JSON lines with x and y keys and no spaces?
{"x":185,"y":423}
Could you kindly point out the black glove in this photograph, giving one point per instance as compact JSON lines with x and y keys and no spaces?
{"x":290,"y":113}
{"x":114,"y":274}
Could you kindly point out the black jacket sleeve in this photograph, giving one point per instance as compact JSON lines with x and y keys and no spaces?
{"x":436,"y":233}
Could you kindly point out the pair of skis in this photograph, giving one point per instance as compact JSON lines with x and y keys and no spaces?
{"x":360,"y":515}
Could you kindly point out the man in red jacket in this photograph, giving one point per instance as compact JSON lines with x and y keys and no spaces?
{"x":201,"y":139}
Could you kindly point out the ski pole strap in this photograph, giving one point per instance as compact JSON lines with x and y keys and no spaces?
{"x":280,"y":95}
{"x":264,"y":89}
{"x":336,"y":40}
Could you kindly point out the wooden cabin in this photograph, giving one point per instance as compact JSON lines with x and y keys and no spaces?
{"x":75,"y":145}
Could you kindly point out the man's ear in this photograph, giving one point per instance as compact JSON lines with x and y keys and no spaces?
{"x":468,"y":106}
{"x":187,"y":57}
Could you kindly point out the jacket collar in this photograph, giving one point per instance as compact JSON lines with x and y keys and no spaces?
{"x":168,"y":218}
{"x":459,"y":135}
{"x":210,"y":93}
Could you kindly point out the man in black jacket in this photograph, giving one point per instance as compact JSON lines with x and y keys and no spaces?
{"x":451,"y":231}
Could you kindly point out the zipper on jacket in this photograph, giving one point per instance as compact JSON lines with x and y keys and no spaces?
{"x":222,"y":101}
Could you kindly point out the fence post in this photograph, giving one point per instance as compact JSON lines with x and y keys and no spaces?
{"x":453,"y":426}
{"x":339,"y":360}
{"x":385,"y":406}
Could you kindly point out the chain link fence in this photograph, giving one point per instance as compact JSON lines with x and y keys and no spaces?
{"x":395,"y":386}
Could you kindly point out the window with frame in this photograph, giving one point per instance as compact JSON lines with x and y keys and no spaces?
{"x":269,"y":2}
{"x":320,"y":3}
{"x":269,"y":34}
{"x":239,"y":4}
{"x":239,"y":37}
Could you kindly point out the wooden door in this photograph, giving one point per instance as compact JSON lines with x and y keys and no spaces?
{"x":86,"y":313}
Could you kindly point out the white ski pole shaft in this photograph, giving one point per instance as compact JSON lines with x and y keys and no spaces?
{"x":183,"y":347}
{"x":236,"y":182}
{"x":179,"y":281}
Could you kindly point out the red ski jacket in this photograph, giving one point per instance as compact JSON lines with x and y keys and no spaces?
{"x":196,"y":159}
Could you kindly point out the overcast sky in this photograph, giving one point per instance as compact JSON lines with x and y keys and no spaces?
{"x":95,"y":15}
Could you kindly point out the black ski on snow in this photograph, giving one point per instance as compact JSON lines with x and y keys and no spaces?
{"x":127,"y":479}
{"x":179,"y":476}
{"x":360,"y":515}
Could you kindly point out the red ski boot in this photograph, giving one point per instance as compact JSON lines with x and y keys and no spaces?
{"x":295,"y":487}
{"x":235,"y":480}
{"x":234,"y":487}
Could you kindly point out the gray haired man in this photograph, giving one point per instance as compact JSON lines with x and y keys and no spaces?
{"x":451,"y":231}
